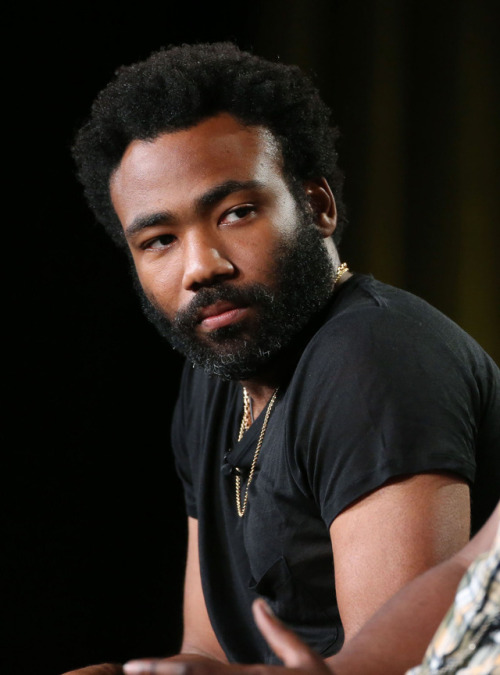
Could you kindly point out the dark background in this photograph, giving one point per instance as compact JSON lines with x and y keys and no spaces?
{"x":94,"y":520}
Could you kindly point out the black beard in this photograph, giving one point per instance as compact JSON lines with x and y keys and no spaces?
{"x":303,"y":284}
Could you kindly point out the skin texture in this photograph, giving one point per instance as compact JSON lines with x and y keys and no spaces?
{"x":185,"y":234}
{"x":392,"y":535}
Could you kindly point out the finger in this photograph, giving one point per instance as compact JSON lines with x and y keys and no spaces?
{"x":182,"y":665}
{"x":285,"y":643}
{"x":177,"y":665}
{"x":101,"y":669}
{"x":153,"y":667}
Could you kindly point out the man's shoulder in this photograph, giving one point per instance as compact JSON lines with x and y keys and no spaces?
{"x":374,"y":327}
{"x":365,"y":298}
{"x":371,"y":311}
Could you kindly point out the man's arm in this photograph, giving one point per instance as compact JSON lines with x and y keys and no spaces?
{"x":384,"y":540}
{"x":380,"y":543}
{"x":198,"y":635}
{"x":392,"y":641}
{"x":396,"y":637}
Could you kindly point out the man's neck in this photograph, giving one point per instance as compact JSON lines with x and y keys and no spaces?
{"x":260,"y":394}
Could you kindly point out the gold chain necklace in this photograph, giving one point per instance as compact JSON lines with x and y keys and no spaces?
{"x":246,"y":421}
{"x":341,"y":270}
{"x":245,"y":425}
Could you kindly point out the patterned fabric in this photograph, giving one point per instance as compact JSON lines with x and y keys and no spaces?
{"x":468,"y":640}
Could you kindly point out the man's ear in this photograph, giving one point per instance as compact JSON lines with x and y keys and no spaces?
{"x":322,"y":203}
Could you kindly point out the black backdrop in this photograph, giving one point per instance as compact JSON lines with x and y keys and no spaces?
{"x":94,"y":521}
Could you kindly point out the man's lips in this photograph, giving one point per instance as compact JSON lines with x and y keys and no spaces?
{"x":221,"y":313}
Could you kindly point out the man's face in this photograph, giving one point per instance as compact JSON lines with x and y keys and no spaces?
{"x":230,"y":267}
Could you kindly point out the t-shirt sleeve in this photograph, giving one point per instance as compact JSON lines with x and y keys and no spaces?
{"x":379,"y":400}
{"x":180,"y":443}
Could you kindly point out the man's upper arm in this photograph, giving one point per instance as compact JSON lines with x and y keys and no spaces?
{"x":198,"y":634}
{"x":385,"y":539}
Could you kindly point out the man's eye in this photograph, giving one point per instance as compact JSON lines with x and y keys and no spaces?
{"x":163,"y":241}
{"x":238,"y":214}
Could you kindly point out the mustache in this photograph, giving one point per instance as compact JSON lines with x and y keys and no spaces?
{"x":250,"y":294}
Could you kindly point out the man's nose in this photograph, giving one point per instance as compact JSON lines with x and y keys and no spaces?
{"x":205,"y":262}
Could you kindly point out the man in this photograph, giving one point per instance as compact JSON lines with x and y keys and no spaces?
{"x":328,"y":426}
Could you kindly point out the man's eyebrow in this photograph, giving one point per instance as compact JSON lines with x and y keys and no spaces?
{"x":205,"y":201}
{"x":219,"y":192}
{"x":143,"y":222}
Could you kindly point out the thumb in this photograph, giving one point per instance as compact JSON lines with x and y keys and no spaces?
{"x":285,"y":643}
{"x":100,"y":669}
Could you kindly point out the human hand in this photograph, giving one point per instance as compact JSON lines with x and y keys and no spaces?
{"x":286,"y":644}
{"x":294,"y":653}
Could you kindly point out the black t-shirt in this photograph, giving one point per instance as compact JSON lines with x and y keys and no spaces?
{"x":386,"y":386}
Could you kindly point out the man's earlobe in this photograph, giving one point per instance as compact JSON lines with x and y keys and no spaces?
{"x":323,"y":207}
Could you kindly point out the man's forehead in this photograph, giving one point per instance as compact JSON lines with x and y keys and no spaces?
{"x":215,"y":149}
{"x":218,"y":139}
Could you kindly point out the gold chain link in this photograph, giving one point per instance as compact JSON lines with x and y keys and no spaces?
{"x":241,"y":507}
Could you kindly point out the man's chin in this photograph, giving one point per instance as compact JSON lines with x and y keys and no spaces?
{"x":229,"y":359}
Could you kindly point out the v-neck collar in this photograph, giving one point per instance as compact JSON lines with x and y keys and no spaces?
{"x":240,"y":455}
